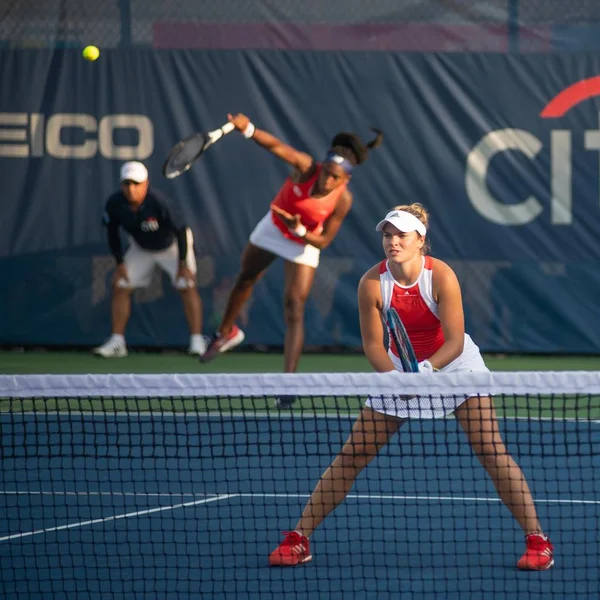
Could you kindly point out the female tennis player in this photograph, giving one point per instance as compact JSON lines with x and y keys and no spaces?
{"x":304,"y":218}
{"x":426,"y":294}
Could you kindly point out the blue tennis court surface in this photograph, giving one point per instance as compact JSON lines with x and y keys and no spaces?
{"x":190,"y":506}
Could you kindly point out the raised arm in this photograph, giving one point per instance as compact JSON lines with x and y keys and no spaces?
{"x":371,"y":325}
{"x":299,"y":160}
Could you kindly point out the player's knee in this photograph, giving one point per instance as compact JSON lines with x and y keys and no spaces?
{"x":245,"y":280}
{"x":184,"y":285}
{"x":122,"y":288}
{"x":491,"y":454}
{"x":293,"y":309}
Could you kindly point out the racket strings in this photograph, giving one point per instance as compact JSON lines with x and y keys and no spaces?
{"x":184,"y":154}
{"x":402,"y":342}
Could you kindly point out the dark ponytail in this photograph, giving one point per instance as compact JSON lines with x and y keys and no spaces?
{"x":351,"y":147}
{"x":377,"y":140}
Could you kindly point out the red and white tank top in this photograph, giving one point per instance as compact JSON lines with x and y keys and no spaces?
{"x":296,"y":199}
{"x":416,"y":308}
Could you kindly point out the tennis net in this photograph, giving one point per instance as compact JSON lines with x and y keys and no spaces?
{"x":179,"y":486}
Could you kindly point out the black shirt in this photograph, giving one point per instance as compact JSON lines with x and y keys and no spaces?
{"x":153,"y":225}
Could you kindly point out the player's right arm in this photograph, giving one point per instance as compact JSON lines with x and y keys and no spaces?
{"x":371,"y":325}
{"x":301,"y":161}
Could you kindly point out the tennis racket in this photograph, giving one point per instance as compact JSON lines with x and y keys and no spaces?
{"x":403,"y":345}
{"x":187,"y":151}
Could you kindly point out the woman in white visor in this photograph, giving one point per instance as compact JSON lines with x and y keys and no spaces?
{"x":426,"y":294}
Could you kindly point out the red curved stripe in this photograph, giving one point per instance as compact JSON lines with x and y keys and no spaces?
{"x":569,"y":97}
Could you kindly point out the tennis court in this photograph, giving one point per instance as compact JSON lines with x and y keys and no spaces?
{"x":242,"y":362}
{"x":185,"y":497}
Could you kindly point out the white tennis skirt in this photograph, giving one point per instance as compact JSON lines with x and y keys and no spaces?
{"x":431,"y":406}
{"x":268,"y":237}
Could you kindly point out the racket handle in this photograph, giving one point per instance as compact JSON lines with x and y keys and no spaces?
{"x":227,"y":128}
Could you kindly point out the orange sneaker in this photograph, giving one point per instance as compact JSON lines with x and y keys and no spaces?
{"x":539,"y":554}
{"x":294,"y":550}
{"x":221,"y":343}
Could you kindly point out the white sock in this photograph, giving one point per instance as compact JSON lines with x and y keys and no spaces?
{"x":117,"y":337}
{"x":196,"y":339}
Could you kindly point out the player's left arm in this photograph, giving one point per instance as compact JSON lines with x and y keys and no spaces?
{"x":332,"y":224}
{"x":446,"y":291}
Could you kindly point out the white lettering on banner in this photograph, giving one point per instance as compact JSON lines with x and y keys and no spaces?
{"x":54,"y":127}
{"x":478,"y":163}
{"x":13,"y":135}
{"x":561,"y":176}
{"x":23,"y":135}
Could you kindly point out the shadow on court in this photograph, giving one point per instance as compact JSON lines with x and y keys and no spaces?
{"x":189,"y":506}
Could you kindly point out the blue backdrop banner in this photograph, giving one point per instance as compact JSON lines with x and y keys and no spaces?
{"x":502,"y":149}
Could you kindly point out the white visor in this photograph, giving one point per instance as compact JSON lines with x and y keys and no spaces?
{"x":403,"y":221}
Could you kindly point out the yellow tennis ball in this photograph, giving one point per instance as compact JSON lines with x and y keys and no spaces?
{"x":91,"y":53}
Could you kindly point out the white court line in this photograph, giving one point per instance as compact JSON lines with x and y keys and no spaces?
{"x":128,"y":494}
{"x":137,"y":513}
{"x":214,"y":497}
{"x":227,"y":496}
{"x":424,"y":498}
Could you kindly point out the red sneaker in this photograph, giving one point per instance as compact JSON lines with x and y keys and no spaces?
{"x":294,"y":550}
{"x":539,"y":554}
{"x":221,"y":343}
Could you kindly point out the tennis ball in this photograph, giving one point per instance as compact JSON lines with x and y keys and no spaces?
{"x":90,"y":53}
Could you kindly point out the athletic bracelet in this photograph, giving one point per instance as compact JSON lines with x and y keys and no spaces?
{"x":249,"y":131}
{"x":299,"y":231}
{"x":425,"y":366}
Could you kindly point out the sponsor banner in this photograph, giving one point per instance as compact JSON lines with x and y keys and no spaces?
{"x":502,"y":149}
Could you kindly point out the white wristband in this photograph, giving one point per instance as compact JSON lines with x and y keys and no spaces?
{"x":426,"y":367}
{"x":249,"y":131}
{"x":299,"y":231}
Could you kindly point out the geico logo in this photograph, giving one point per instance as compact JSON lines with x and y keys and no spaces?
{"x":150,"y":225}
{"x":23,"y":135}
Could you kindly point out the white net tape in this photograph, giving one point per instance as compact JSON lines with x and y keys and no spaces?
{"x":299,"y":384}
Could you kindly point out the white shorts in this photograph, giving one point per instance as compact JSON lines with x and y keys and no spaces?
{"x":141,"y":263}
{"x":435,"y":406}
{"x":268,"y":237}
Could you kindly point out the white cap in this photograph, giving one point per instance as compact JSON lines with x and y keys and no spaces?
{"x":134,"y":171}
{"x":403,"y":221}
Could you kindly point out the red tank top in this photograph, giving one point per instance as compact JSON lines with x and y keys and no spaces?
{"x":422,"y":325}
{"x":296,"y":199}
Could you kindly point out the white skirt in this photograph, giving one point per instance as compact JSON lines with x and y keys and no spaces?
{"x":434,"y":406}
{"x":268,"y":237}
